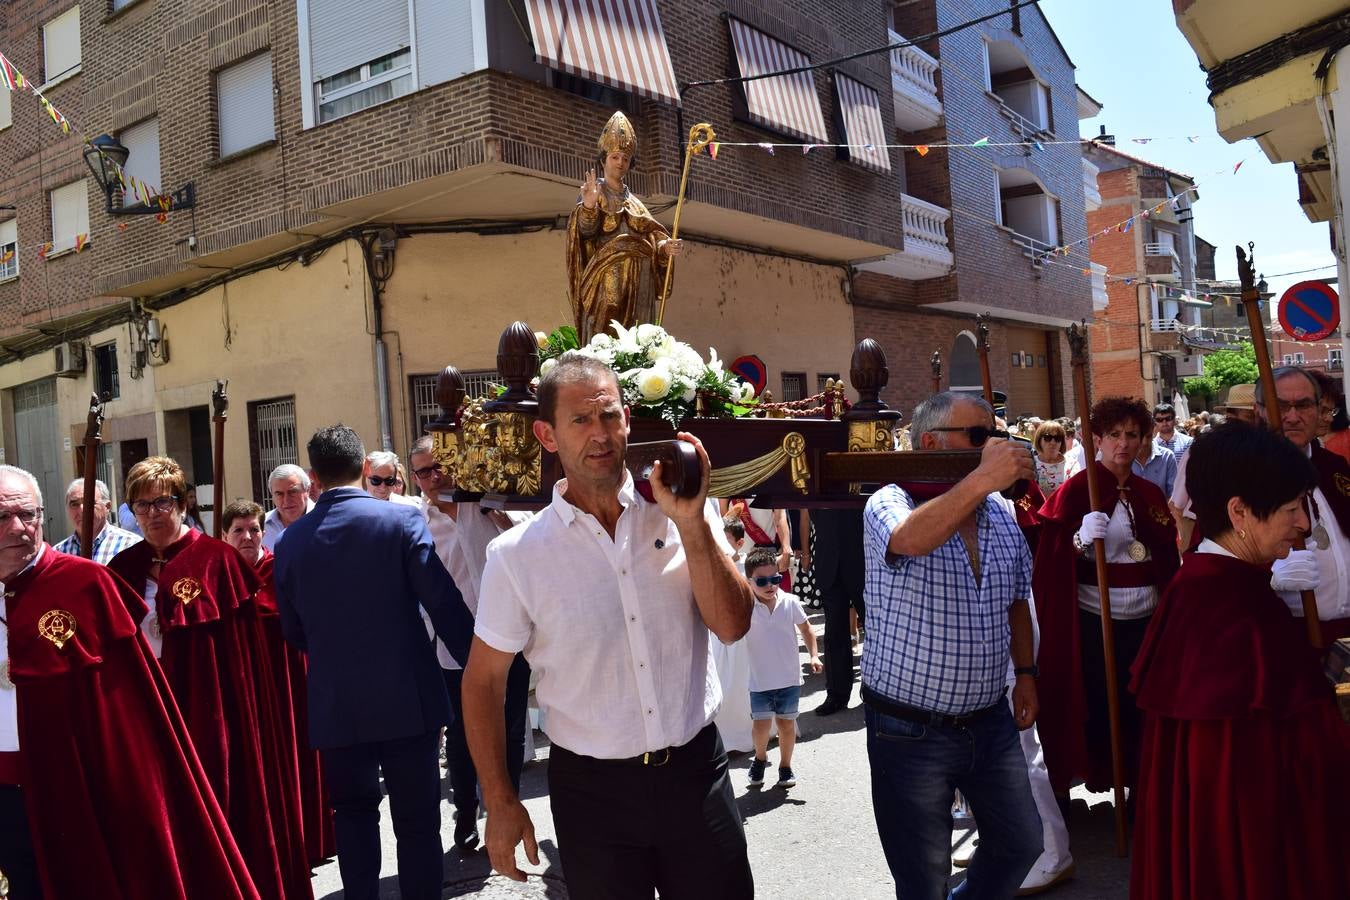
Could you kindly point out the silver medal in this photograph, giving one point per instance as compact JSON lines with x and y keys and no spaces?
{"x":1137,"y":551}
{"x":1320,"y":535}
{"x":5,"y":683}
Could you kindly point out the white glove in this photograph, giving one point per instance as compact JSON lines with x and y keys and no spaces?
{"x":1296,"y":572}
{"x":1093,"y":527}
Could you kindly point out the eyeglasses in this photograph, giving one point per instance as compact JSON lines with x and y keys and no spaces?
{"x":161,"y":504}
{"x":376,"y":480}
{"x":26,"y":517}
{"x":766,"y":580}
{"x":1303,"y":405}
{"x":978,"y":434}
{"x":425,"y":471}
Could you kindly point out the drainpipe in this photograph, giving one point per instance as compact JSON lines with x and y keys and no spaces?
{"x":379,"y":250}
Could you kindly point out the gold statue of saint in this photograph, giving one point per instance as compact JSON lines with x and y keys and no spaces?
{"x":617,"y":253}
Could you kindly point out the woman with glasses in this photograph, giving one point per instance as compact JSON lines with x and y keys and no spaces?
{"x":204,"y":626}
{"x":1141,"y":555}
{"x":1242,"y":784}
{"x":1052,"y":468}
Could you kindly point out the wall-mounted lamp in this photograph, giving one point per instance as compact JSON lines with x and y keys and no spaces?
{"x":100,"y":156}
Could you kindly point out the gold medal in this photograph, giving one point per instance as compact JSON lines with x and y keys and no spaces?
{"x":5,"y":683}
{"x":1137,"y":551}
{"x":186,"y":590}
{"x":57,"y":626}
{"x":1320,"y":535}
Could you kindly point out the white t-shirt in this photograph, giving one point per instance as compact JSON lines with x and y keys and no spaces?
{"x":609,"y":626}
{"x":772,"y":643}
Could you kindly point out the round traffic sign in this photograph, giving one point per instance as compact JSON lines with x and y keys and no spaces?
{"x":1309,"y":311}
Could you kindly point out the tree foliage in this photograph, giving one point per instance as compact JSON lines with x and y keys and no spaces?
{"x":1224,"y":369}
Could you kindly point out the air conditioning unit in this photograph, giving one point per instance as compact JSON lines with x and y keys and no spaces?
{"x":70,"y":359}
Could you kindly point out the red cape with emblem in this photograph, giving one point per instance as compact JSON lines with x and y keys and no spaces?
{"x":289,"y":672}
{"x":118,"y":803}
{"x":216,"y":662}
{"x":1054,"y":581}
{"x":1242,"y":785}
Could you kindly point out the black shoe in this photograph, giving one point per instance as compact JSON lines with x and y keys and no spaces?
{"x":756,"y":779}
{"x":466,"y":833}
{"x":831,"y":706}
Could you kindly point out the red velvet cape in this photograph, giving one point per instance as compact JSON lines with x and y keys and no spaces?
{"x":216,"y":662}
{"x":289,"y":671}
{"x":1242,"y":787}
{"x":118,"y":803}
{"x":1054,"y":581}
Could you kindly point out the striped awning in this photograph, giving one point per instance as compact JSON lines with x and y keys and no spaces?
{"x":615,"y":42}
{"x":786,"y":103}
{"x":864,"y":132}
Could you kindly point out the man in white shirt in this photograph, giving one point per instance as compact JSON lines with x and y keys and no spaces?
{"x":462,"y":532}
{"x":289,"y":485}
{"x":611,"y":598}
{"x":1073,"y":450}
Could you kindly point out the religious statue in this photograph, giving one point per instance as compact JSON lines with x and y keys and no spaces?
{"x":617,"y":254}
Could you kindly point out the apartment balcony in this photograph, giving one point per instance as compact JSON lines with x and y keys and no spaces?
{"x":1091,"y":193}
{"x":1169,"y":335}
{"x":926,"y":253}
{"x":1099,"y":295}
{"x":1161,"y":263}
{"x":914,"y":87}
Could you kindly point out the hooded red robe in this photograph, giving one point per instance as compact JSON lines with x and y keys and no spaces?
{"x":1242,"y":785}
{"x":118,"y":804}
{"x":289,"y":669}
{"x":216,"y":662}
{"x":1054,"y":580}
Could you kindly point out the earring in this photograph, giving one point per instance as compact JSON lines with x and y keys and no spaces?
{"x":1242,"y":534}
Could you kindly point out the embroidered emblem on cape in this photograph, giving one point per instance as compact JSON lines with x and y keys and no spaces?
{"x":186,"y":590}
{"x":57,"y":626}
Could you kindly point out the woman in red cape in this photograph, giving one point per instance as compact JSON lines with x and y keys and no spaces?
{"x":241,"y":526}
{"x":1141,"y":552}
{"x":1243,"y":783}
{"x":202,"y":614}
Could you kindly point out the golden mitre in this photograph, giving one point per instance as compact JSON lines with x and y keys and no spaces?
{"x":618,"y":135}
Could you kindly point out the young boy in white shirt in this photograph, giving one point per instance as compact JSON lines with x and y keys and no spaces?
{"x":775,"y":667}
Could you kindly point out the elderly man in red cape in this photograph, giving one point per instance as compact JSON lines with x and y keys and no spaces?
{"x":242,"y":528}
{"x":202,"y":613}
{"x":91,"y":742}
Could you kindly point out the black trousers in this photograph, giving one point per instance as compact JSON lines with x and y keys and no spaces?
{"x":839,"y":640}
{"x":413,"y":779}
{"x":16,"y":846}
{"x":628,"y":830}
{"x":463,"y":776}
{"x":1129,"y":637}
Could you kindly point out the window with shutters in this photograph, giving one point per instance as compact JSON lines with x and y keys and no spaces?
{"x":272,"y":441}
{"x":61,"y":47}
{"x":794,"y":386}
{"x":244,"y":108}
{"x":6,"y":114}
{"x":106,"y":381}
{"x":9,"y":247}
{"x":142,"y":143}
{"x":365,"y":85}
{"x":70,"y":216}
{"x":423,"y":389}
{"x":822,"y":378}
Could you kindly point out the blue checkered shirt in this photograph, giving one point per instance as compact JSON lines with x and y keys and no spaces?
{"x":110,"y":542}
{"x":936,"y":640}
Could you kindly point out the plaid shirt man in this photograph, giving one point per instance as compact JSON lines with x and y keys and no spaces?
{"x":108,"y":543}
{"x":937,"y":640}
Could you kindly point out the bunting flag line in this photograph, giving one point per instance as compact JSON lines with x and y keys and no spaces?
{"x":767,"y":147}
{"x":44,"y":250}
{"x":80,"y":241}
{"x":982,"y":142}
{"x":712,"y":149}
{"x":921,"y":149}
{"x":11,"y":76}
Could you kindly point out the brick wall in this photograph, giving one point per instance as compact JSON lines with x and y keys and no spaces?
{"x":1117,"y":331}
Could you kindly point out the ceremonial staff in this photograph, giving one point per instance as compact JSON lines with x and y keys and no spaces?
{"x":982,"y":347}
{"x":936,"y":363}
{"x":1078,"y":345}
{"x":220,"y":405}
{"x":1251,"y":299}
{"x":91,"y":440}
{"x":700,"y":136}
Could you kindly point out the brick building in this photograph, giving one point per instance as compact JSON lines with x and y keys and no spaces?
{"x":1011,"y":81}
{"x":1146,"y":338}
{"x":373,"y":203}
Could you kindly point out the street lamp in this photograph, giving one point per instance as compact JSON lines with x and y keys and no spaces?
{"x":104,"y":156}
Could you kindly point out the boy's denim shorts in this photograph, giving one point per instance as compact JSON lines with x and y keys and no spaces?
{"x":779,"y":703}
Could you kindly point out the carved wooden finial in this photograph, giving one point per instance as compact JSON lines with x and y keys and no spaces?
{"x":936,"y":363}
{"x":517,"y":362}
{"x":982,"y":326}
{"x":870,"y":375}
{"x":449,"y":396}
{"x":1246,"y":264}
{"x":1078,"y":344}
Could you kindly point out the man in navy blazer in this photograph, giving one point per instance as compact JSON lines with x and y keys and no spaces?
{"x":350,"y":577}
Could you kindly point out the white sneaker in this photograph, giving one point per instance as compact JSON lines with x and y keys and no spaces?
{"x":1039,"y":880}
{"x":963,"y":854}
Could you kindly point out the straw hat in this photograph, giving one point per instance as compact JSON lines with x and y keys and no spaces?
{"x":1240,"y":396}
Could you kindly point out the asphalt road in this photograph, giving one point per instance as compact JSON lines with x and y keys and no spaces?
{"x":816,"y":840}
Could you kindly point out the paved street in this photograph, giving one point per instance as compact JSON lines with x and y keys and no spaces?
{"x":816,"y":840}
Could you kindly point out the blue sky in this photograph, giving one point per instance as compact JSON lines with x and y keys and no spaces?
{"x":1139,"y":67}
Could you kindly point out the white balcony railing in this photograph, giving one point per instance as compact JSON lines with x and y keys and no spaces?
{"x":1099,"y":296}
{"x":1162,"y":250}
{"x":1091,"y":192}
{"x":914,"y":87}
{"x":1158,"y":326}
{"x":926,"y":253}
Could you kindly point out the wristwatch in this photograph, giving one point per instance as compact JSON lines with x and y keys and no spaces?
{"x":1033,"y":670}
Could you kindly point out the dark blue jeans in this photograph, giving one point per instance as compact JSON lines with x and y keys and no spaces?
{"x":916,"y":770}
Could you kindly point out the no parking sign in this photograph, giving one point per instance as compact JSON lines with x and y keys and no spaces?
{"x":1309,"y":311}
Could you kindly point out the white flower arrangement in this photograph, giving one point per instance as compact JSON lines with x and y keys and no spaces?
{"x":660,"y":377}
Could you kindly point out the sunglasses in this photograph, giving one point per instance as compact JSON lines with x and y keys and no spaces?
{"x":1052,"y":437}
{"x":766,"y":580}
{"x":1164,"y":418}
{"x":978,"y":434}
{"x":376,"y":480}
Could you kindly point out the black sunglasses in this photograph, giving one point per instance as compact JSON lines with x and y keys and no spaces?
{"x":376,"y":480}
{"x":766,"y":580}
{"x":978,"y":434}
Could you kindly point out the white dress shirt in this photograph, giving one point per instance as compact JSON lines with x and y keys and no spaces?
{"x":1126,"y":602}
{"x":609,"y":626}
{"x":273,"y":527}
{"x":150,"y":626}
{"x":9,"y":697}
